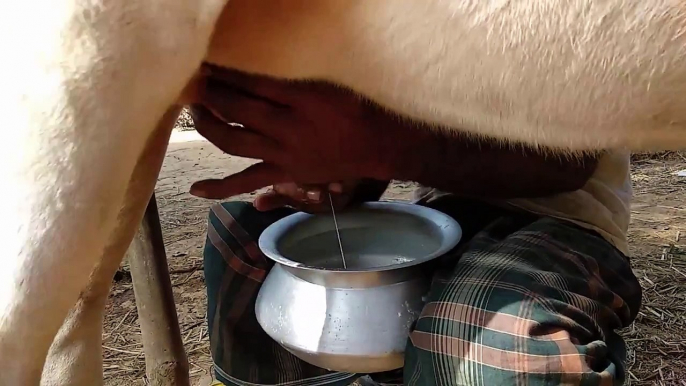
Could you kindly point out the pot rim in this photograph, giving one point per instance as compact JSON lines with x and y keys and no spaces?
{"x":450,"y":230}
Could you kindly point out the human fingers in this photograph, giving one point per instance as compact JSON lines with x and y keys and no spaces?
{"x":271,"y":200}
{"x":235,"y":106}
{"x":301,"y":192}
{"x":248,"y":180}
{"x":234,"y":140}
{"x":300,"y":197}
{"x":277,"y":90}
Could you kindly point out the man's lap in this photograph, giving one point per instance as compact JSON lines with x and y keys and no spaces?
{"x":534,"y":305}
{"x":522,"y":297}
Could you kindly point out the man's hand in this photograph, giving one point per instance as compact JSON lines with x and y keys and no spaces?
{"x":307,"y":198}
{"x":303,"y":132}
{"x":314,"y":133}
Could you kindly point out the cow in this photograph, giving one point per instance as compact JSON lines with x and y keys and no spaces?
{"x":90,"y":90}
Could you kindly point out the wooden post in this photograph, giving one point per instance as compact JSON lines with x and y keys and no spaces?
{"x":166,"y":362}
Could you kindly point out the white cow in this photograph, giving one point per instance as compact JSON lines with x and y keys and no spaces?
{"x":89,"y":90}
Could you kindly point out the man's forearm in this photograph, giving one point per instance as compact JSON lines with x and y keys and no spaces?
{"x":488,"y":170}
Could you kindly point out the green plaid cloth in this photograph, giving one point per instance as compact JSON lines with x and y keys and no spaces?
{"x":523,"y":300}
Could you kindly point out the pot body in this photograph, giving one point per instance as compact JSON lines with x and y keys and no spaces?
{"x":355,"y":322}
{"x":353,"y":317}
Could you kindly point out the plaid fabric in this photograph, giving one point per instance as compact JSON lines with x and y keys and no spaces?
{"x":523,"y":300}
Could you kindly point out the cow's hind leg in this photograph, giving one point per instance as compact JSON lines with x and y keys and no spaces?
{"x":75,"y":358}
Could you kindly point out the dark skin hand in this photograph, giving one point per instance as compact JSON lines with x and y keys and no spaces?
{"x":313,"y":198}
{"x":311,"y":134}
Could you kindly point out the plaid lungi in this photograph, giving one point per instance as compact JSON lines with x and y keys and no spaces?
{"x":523,"y":300}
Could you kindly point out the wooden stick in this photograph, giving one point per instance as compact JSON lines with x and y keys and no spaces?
{"x":166,"y":362}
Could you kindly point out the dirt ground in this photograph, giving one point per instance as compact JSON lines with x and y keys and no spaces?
{"x":657,"y":345}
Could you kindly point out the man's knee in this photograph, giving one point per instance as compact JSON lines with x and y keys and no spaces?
{"x":467,"y":343}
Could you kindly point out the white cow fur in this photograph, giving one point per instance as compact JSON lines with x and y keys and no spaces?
{"x":85,"y":85}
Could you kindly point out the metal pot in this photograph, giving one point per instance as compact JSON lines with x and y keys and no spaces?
{"x":356,"y":319}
